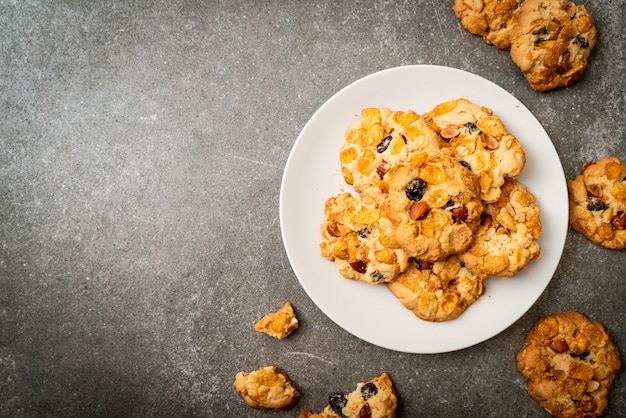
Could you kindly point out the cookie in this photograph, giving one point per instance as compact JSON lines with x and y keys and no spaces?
{"x":279,"y":324}
{"x":597,"y":202}
{"x":377,"y":142}
{"x":478,"y":139}
{"x":434,"y":203}
{"x":551,"y":42}
{"x":570,"y":363}
{"x":374,"y":399}
{"x":266,"y":388}
{"x":437,"y":291}
{"x":359,"y":240}
{"x":490,"y":19}
{"x":506,"y":240}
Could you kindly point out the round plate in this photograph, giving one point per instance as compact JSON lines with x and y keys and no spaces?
{"x":313,"y":174}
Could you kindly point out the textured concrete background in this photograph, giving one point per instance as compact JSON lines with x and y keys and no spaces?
{"x":142,"y":145}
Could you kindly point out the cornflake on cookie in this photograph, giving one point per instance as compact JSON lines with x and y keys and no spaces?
{"x":551,"y":42}
{"x":506,"y":240}
{"x":438,"y":291}
{"x":360,"y":240}
{"x":490,"y":19}
{"x":379,"y":140}
{"x":597,"y":202}
{"x":434,"y":204}
{"x":570,"y":363}
{"x":479,"y":140}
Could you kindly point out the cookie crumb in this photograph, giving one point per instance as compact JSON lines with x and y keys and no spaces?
{"x":279,"y":324}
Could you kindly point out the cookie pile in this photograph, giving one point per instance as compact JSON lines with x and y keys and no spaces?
{"x":439,"y":207}
{"x":549,"y":40}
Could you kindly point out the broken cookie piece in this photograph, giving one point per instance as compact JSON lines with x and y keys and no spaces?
{"x":373,"y":399}
{"x":266,"y":388}
{"x":278,"y":324}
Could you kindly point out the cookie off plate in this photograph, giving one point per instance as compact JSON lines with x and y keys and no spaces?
{"x":312,"y":175}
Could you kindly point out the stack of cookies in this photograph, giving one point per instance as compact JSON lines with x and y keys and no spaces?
{"x":549,"y":40}
{"x":439,"y":206}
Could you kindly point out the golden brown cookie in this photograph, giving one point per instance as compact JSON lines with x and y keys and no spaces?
{"x":597,"y":202}
{"x":379,"y":140}
{"x":570,"y":363}
{"x":359,"y":240}
{"x":373,"y":399}
{"x":266,"y":388}
{"x":490,"y":19}
{"x":506,"y":240}
{"x":551,"y":42}
{"x":478,"y":139}
{"x":279,"y":324}
{"x":437,"y":291}
{"x":434,"y":203}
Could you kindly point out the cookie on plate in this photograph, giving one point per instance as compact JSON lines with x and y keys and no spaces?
{"x":434,"y":203}
{"x":597,"y":202}
{"x":490,"y":19}
{"x":478,"y":139}
{"x":570,"y":363}
{"x":374,"y":399}
{"x":551,"y":42}
{"x":378,"y":141}
{"x":359,"y":240}
{"x":266,"y":388}
{"x":279,"y":324}
{"x":506,"y":240}
{"x":437,"y":291}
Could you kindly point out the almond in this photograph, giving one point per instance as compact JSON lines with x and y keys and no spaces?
{"x":560,"y":346}
{"x":619,"y":221}
{"x":419,"y":210}
{"x":490,"y":142}
{"x":449,"y":132}
{"x":592,"y":386}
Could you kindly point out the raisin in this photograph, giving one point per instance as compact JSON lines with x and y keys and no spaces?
{"x":368,"y":390}
{"x":459,"y":214}
{"x":596,"y":206}
{"x":471,"y":127}
{"x":424,"y":265}
{"x":462,"y":264}
{"x":384,"y":144}
{"x":538,"y":32}
{"x":377,"y":275}
{"x":466,"y":165}
{"x":415,"y":189}
{"x":580,"y":356}
{"x":581,"y":41}
{"x":337,"y":402}
{"x":365,"y":412}
{"x":486,"y":219}
{"x":382,"y":169}
{"x":359,"y":266}
{"x":363,"y":232}
{"x":448,"y":204}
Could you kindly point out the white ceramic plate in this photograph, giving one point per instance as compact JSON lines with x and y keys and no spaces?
{"x":312,"y":175}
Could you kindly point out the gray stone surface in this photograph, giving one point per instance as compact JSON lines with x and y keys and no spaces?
{"x":142,"y":145}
